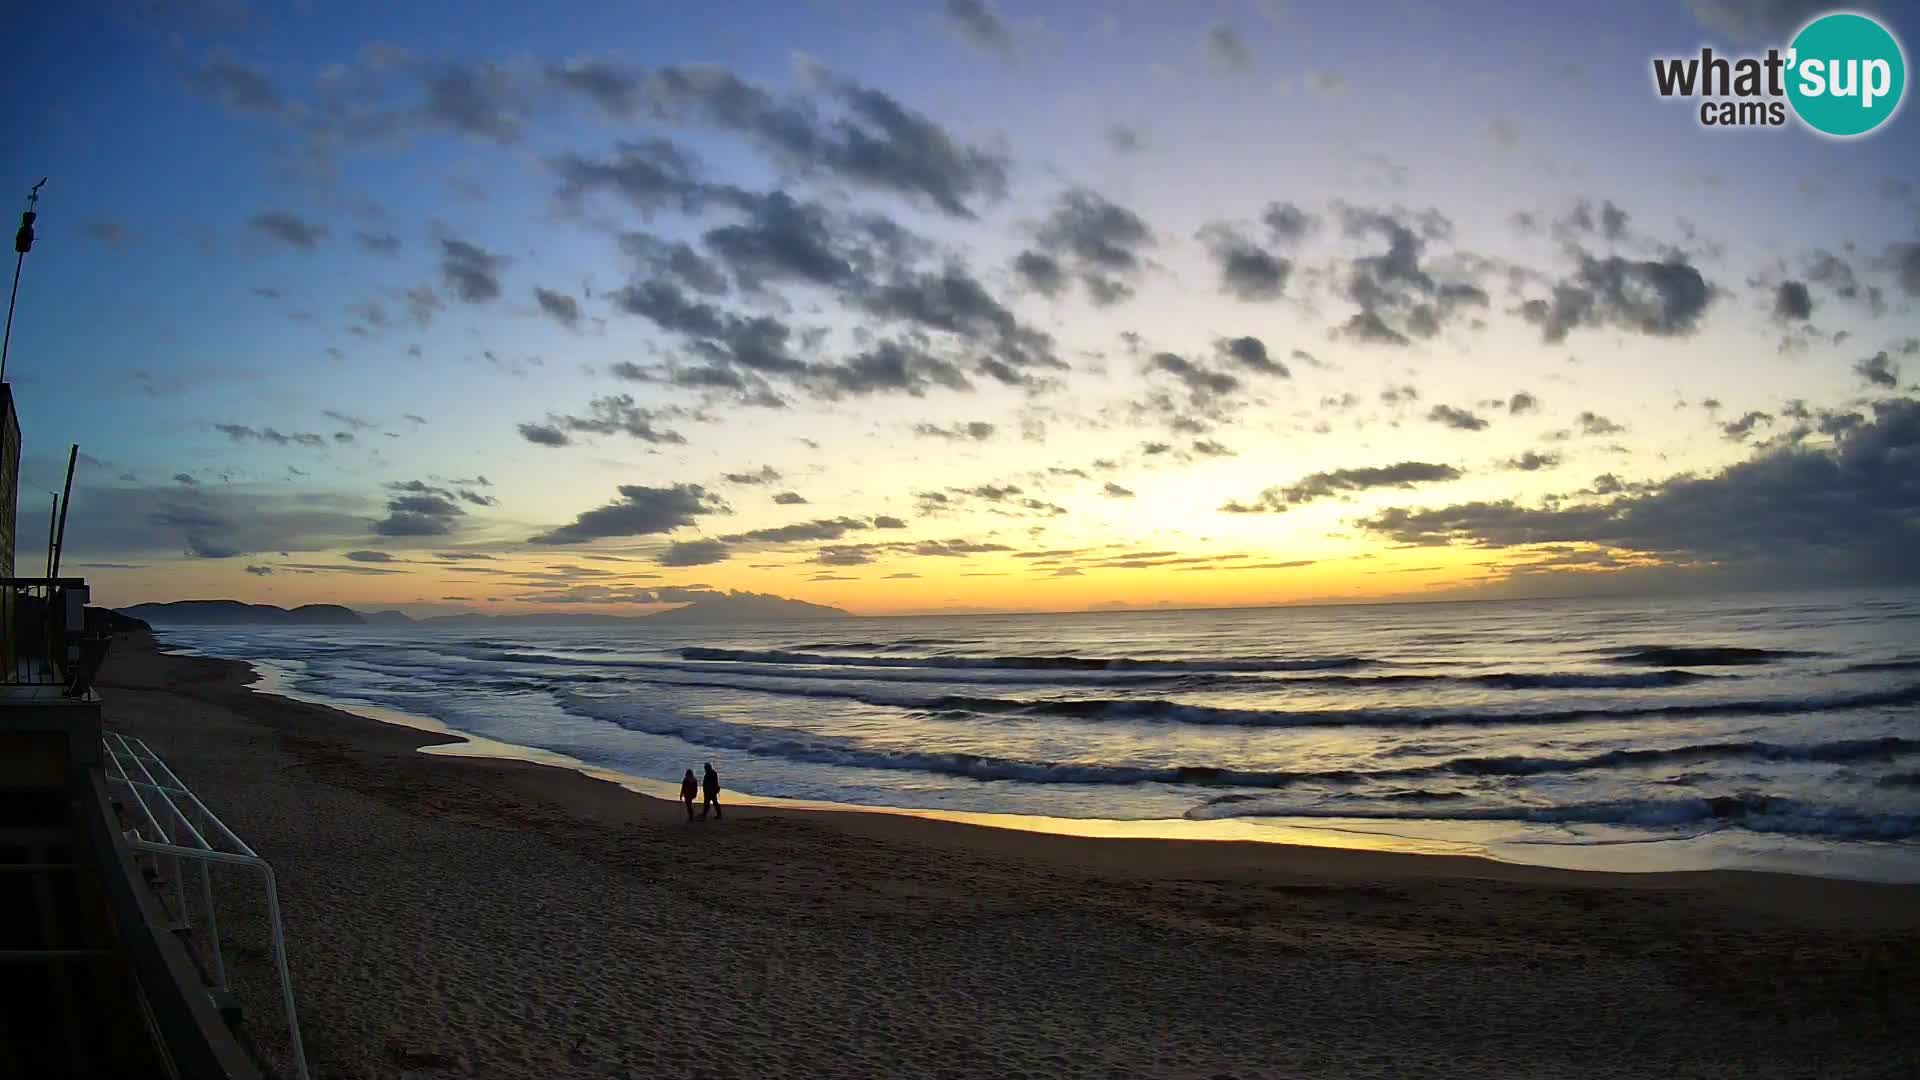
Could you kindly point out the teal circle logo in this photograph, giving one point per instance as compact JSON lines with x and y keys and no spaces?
{"x":1846,"y":74}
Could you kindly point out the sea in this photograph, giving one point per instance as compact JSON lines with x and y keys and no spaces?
{"x":1762,"y":731}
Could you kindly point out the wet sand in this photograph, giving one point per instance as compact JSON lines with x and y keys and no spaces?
{"x":454,"y":916}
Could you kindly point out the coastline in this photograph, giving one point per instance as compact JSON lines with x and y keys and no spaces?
{"x":480,"y":892}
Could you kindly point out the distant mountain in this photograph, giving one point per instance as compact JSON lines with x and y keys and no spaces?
{"x":235,"y":613}
{"x":747,"y":607}
{"x":718,"y":608}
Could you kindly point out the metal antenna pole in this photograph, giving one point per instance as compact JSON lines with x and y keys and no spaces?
{"x":22,"y":243}
{"x":66,"y":499}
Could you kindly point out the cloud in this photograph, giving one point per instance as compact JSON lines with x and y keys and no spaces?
{"x":1904,"y":259}
{"x":789,"y":498}
{"x":564,"y":309}
{"x":614,"y":414}
{"x":289,"y":229}
{"x":1114,"y":491}
{"x":1459,"y":419}
{"x":1098,"y":240}
{"x":1247,"y":270}
{"x":1878,"y":370}
{"x":1792,"y":302}
{"x":129,"y":521}
{"x":481,"y":101}
{"x":1228,"y":49}
{"x":842,"y":129}
{"x":244,"y":433}
{"x":110,"y":233}
{"x":1209,"y":448}
{"x":1398,"y":297}
{"x":1755,"y":21}
{"x":1786,"y":514}
{"x":1592,"y":423}
{"x":544,"y":435}
{"x":818,"y":529}
{"x":980,"y":25}
{"x":1124,"y":138}
{"x":694,"y":553}
{"x":419,"y":509}
{"x":1738,"y":430}
{"x":378,"y":243}
{"x":1323,"y":484}
{"x":471,"y":273}
{"x":237,"y":86}
{"x":639,"y":511}
{"x":974,"y":431}
{"x":369,"y":556}
{"x":1660,"y":299}
{"x":766,"y":474}
{"x":884,"y":522}
{"x":1251,"y":353}
{"x":649,"y":175}
{"x":258,"y":570}
{"x":676,"y":260}
{"x":1532,"y":461}
{"x":1522,"y":403}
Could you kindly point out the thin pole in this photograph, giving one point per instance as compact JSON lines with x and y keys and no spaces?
{"x":53,"y":520}
{"x":22,"y":243}
{"x":8,"y":340}
{"x":73,"y":456}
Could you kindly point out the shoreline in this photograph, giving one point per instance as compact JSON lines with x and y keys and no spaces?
{"x":505,"y":919}
{"x":1709,"y":851}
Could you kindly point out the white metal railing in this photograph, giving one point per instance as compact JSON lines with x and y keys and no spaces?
{"x":180,"y":831}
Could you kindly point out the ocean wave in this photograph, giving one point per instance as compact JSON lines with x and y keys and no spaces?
{"x":903,"y":643}
{"x":1885,"y":665}
{"x":1165,"y":711}
{"x":831,"y":750}
{"x":1752,"y":812}
{"x":1701,"y":655}
{"x":1032,"y":663}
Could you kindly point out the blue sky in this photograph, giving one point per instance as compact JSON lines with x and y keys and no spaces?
{"x":308,"y":273}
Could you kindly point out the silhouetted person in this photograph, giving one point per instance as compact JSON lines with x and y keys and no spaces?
{"x":711,"y":783}
{"x":689,"y":787}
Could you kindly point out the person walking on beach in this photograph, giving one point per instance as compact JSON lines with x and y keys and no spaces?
{"x":711,"y":782}
{"x":689,"y":787}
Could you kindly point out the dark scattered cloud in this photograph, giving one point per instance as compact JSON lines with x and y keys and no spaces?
{"x":1878,"y":370}
{"x":1591,"y":423}
{"x":1210,"y":448}
{"x":1114,"y":491}
{"x":1660,"y":299}
{"x":1124,"y":138}
{"x":1459,"y":419}
{"x":639,"y":511}
{"x":648,"y":175}
{"x":364,"y":555}
{"x":1786,"y":514}
{"x":237,"y":86}
{"x":1533,"y":461}
{"x":378,"y":243}
{"x":789,"y":498}
{"x":1904,"y":260}
{"x":564,"y":309}
{"x":110,"y":233}
{"x":614,"y":414}
{"x":1399,"y":297}
{"x":246,"y":433}
{"x":259,"y":570}
{"x":1340,"y":481}
{"x":1099,"y":241}
{"x":766,"y":474}
{"x":470,"y":272}
{"x":694,"y":553}
{"x":1755,"y":21}
{"x":417,"y":508}
{"x":1738,"y":430}
{"x":980,"y":25}
{"x":974,"y":431}
{"x":1228,"y":49}
{"x":1522,"y":403}
{"x":482,"y":101}
{"x":289,"y":229}
{"x":1248,"y":271}
{"x":1792,"y":302}
{"x":1251,"y":353}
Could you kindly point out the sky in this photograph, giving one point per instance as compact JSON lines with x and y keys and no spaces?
{"x":954,"y":306}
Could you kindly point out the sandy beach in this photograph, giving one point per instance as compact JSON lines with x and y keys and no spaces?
{"x":463,"y":917}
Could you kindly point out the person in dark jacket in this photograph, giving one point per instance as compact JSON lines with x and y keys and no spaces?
{"x":689,"y":787}
{"x":711,"y":783}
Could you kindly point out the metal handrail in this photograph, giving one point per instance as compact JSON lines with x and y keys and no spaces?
{"x":189,"y":841}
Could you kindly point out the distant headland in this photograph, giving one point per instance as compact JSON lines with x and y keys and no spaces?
{"x":738,"y":607}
